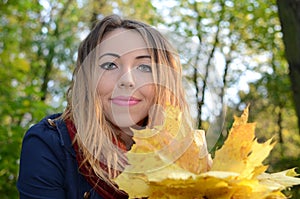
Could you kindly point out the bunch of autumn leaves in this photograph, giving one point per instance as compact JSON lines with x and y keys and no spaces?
{"x":165,"y":164}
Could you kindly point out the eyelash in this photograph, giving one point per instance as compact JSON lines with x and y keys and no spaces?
{"x":112,"y":66}
{"x":107,"y":66}
{"x":149,"y":69}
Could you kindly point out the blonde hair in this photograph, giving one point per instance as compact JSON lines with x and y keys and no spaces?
{"x":94,"y":132}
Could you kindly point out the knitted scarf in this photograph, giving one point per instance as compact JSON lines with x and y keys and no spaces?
{"x":101,"y":187}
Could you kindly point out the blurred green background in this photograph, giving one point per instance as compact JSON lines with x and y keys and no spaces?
{"x":234,"y":53}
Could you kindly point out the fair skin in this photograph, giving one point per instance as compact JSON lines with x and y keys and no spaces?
{"x":126,"y":84}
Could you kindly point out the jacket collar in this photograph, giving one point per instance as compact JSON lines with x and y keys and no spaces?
{"x":54,"y":122}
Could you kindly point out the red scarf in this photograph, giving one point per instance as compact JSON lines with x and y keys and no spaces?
{"x":102,"y":188}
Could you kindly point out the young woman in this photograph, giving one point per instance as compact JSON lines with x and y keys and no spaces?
{"x":126,"y":74}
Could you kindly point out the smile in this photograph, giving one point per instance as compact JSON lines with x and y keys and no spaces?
{"x":125,"y":101}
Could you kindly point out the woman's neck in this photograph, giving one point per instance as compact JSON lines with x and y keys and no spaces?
{"x":125,"y":135}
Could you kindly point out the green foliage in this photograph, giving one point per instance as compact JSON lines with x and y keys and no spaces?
{"x":13,"y":68}
{"x":23,"y":55}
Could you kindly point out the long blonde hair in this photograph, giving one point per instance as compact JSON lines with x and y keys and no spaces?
{"x":94,"y":133}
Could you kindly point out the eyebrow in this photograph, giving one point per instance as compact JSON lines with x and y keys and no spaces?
{"x":143,"y":56}
{"x":110,"y":54}
{"x":118,"y":56}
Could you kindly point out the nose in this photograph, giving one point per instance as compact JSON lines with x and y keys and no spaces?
{"x":127,"y":80}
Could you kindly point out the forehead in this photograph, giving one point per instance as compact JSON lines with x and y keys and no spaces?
{"x":122,"y":41}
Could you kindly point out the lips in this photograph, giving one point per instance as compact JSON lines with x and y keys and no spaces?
{"x":125,"y":101}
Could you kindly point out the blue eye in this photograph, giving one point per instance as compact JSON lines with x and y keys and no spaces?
{"x":108,"y":66}
{"x":145,"y":68}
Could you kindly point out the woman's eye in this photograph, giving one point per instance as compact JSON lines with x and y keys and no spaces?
{"x":145,"y":68}
{"x":108,"y":66}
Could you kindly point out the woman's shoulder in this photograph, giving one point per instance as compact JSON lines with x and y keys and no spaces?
{"x":44,"y":159}
{"x":51,"y":130}
{"x":45,"y":125}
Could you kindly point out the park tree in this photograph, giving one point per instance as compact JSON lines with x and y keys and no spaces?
{"x":233,"y":51}
{"x":290,"y":22}
{"x":37,"y":42}
{"x":235,"y":42}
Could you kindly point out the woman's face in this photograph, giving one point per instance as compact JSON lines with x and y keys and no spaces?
{"x":126,"y":84}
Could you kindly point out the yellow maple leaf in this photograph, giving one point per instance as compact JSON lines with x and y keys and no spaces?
{"x":241,"y":152}
{"x":280,"y":180}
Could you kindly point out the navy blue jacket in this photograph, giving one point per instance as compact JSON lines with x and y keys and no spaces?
{"x":48,"y":166}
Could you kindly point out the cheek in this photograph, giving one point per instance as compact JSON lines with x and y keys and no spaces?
{"x":104,"y":90}
{"x":105,"y":86}
{"x":145,"y":85}
{"x":149,"y":93}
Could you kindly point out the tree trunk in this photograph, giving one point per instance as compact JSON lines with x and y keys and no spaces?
{"x":49,"y":58}
{"x":196,"y":73}
{"x":279,"y":124}
{"x":195,"y":81}
{"x":200,"y":102}
{"x":289,"y":15}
